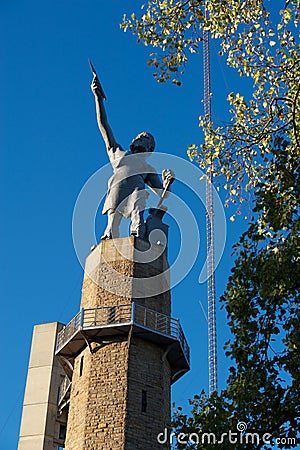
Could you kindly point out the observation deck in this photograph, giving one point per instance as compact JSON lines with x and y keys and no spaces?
{"x":97,"y":323}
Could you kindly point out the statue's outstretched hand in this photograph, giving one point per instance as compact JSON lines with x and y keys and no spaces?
{"x":168,"y":177}
{"x":97,"y":88}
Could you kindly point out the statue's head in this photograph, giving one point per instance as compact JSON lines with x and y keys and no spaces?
{"x":143,"y":143}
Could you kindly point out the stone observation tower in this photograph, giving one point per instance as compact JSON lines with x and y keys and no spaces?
{"x":106,"y":382}
{"x":102,"y":382}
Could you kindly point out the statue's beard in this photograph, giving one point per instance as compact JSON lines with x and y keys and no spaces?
{"x":138,"y":149}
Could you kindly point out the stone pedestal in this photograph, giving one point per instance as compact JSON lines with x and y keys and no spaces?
{"x":124,"y":270}
{"x":120,"y":397}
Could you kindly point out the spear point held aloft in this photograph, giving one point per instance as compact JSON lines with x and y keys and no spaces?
{"x":95,"y":74}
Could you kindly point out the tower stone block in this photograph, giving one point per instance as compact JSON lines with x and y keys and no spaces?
{"x":120,"y":397}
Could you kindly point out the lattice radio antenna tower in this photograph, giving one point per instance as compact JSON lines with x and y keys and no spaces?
{"x":210,"y":229}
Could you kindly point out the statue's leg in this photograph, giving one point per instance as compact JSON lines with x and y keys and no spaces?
{"x":137,"y":227}
{"x":113,"y":223}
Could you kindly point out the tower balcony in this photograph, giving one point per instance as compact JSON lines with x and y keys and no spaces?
{"x":148,"y":324}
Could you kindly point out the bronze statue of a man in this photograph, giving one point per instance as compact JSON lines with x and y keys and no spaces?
{"x":126,"y":195}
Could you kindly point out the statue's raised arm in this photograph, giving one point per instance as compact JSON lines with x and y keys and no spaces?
{"x":104,"y":127}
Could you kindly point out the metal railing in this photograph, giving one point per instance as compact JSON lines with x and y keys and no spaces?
{"x":68,"y":331}
{"x":161,"y":323}
{"x":131,"y":314}
{"x":184,"y":345}
{"x":154,"y":320}
{"x":106,"y":315}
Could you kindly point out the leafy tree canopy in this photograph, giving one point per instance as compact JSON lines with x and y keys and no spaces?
{"x":256,"y":48}
{"x":258,"y":152}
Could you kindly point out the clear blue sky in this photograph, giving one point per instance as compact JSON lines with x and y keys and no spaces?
{"x":50,"y":146}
